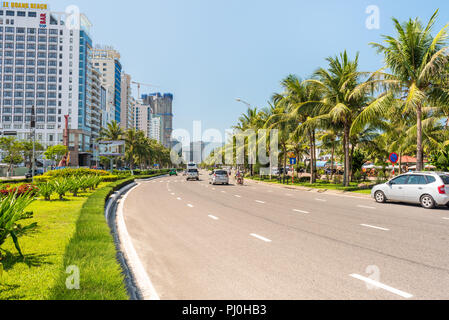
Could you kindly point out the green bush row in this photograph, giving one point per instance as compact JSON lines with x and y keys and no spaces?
{"x":62,"y":186}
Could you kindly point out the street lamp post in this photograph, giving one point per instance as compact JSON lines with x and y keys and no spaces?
{"x":33,"y":135}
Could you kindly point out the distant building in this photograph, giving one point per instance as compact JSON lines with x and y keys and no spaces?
{"x":155,"y":128}
{"x":162,"y":106}
{"x":142,"y":117}
{"x":107,"y":61}
{"x":127,"y":103}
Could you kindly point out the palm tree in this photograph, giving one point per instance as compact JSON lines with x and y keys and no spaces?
{"x":112,"y":132}
{"x":418,"y":64}
{"x":338,"y":104}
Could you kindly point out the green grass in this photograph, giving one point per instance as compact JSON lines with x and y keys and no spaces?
{"x":70,"y":233}
{"x":32,"y":278}
{"x":320,"y":184}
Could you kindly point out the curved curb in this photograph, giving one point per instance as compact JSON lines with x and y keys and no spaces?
{"x":137,"y":281}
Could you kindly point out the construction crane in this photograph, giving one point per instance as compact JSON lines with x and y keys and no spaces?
{"x":139,"y":84}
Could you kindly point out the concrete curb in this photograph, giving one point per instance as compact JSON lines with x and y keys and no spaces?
{"x":137,"y":282}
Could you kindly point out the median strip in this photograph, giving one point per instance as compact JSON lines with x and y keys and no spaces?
{"x":382,"y":286}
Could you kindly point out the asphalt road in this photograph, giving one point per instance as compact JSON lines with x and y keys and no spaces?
{"x":259,"y":241}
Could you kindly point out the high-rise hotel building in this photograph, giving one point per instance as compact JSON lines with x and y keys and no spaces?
{"x":46,"y":64}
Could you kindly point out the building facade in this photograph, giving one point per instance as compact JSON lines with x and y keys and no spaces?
{"x":45,"y":64}
{"x":127,"y":103}
{"x":162,"y":106}
{"x":107,"y":61}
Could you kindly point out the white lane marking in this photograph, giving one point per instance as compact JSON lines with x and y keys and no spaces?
{"x":213,"y":188}
{"x":237,"y":196}
{"x":445,"y":218}
{"x":172,"y":194}
{"x":213,"y":217}
{"x":382,"y":286}
{"x":366,"y":207}
{"x":223,"y":192}
{"x":269,"y":191}
{"x":289,"y":195}
{"x":321,"y":200}
{"x":300,"y":211}
{"x":190,"y":206}
{"x":258,"y":201}
{"x":374,"y":227}
{"x":179,"y":199}
{"x":260,"y":237}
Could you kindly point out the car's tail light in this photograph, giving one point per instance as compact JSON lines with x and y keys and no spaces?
{"x":442,"y":190}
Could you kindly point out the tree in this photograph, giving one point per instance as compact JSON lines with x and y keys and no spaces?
{"x":112,"y":132}
{"x":13,"y":150}
{"x":27,"y":148}
{"x":56,"y":153}
{"x":418,"y":63}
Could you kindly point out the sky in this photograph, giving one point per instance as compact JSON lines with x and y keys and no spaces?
{"x":210,"y":52}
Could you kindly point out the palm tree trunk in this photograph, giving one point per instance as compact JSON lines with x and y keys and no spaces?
{"x":311,"y":157}
{"x":332,"y":160}
{"x":419,"y":151}
{"x":346,"y":147}
{"x":400,"y":162}
{"x":314,"y":157}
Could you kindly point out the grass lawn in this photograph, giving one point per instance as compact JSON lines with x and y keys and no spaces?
{"x":320,"y":185}
{"x":34,"y":277}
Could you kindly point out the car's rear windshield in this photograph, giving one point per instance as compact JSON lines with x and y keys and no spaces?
{"x":445,"y":179}
{"x":221,"y":173}
{"x":193,"y":170}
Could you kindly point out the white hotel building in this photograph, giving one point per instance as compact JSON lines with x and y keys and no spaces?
{"x":46,"y":64}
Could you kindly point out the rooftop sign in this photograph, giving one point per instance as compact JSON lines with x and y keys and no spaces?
{"x":22,"y":5}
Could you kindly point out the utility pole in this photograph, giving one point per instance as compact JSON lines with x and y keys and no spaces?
{"x":33,"y":136}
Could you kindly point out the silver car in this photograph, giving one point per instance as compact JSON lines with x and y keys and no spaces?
{"x":430,"y":189}
{"x":219,"y":177}
{"x":193,"y":174}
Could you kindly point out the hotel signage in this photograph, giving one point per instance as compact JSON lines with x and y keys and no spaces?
{"x":21,"y":5}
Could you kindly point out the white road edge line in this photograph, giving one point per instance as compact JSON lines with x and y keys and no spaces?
{"x":213,"y":217}
{"x":258,"y":201}
{"x":260,"y":237}
{"x":374,"y":227}
{"x":300,"y":211}
{"x":382,"y":286}
{"x":321,"y":200}
{"x":148,"y":290}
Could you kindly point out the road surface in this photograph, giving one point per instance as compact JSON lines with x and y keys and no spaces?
{"x":258,"y":241}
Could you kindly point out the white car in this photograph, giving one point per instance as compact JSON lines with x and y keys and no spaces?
{"x":219,"y":177}
{"x":193,"y":174}
{"x":430,"y":189}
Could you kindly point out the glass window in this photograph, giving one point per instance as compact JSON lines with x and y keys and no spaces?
{"x":431,"y":179}
{"x":417,"y":180}
{"x":445,"y":179}
{"x":21,"y":13}
{"x":399,"y":180}
{"x":32,"y":14}
{"x":9,"y":13}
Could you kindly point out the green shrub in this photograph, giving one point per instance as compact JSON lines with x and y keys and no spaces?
{"x":46,"y":189}
{"x":74,"y":185}
{"x":61,"y":187}
{"x":12,"y":210}
{"x":65,"y":173}
{"x":42,"y":179}
{"x":109,"y":178}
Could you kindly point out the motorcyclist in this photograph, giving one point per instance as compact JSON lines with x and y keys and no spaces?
{"x":239,"y":177}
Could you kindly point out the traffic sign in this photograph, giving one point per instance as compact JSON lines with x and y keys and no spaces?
{"x":394,"y":158}
{"x":292,"y":161}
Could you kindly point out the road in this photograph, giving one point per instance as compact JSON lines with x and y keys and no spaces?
{"x":258,"y":241}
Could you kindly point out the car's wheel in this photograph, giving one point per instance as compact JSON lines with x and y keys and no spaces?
{"x":380,"y":197}
{"x":427,"y":202}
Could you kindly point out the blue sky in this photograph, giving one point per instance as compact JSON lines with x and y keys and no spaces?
{"x":209,"y":52}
